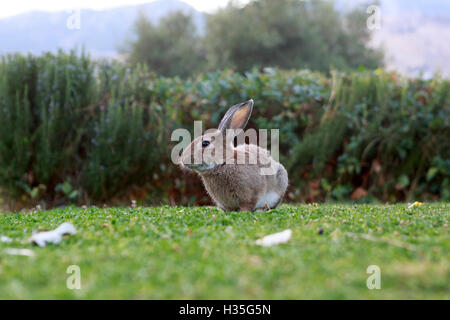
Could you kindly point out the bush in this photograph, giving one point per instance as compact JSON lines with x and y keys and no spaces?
{"x":75,"y":130}
{"x":381,"y":134}
{"x":289,"y":34}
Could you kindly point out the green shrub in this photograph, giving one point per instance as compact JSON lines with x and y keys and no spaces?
{"x":75,"y":130}
{"x":382,"y":133}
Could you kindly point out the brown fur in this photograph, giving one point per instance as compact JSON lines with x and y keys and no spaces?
{"x":235,"y":186}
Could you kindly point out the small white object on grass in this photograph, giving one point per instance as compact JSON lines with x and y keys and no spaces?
{"x":19,"y":252}
{"x":54,"y":236}
{"x":276,"y":238}
{"x":5,"y":239}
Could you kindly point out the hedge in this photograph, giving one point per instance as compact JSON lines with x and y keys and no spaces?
{"x":75,"y":130}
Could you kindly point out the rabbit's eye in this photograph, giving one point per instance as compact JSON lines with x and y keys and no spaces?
{"x":205,"y":144}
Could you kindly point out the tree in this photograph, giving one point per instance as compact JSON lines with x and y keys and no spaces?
{"x":171,"y":49}
{"x":288,"y":34}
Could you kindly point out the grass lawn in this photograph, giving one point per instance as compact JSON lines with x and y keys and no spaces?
{"x":204,"y":253}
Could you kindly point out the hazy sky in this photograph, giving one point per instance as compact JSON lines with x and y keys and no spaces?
{"x":13,"y":7}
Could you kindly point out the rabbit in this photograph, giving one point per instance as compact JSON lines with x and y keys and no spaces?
{"x":236,"y":185}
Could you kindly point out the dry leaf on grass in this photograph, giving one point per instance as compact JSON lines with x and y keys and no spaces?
{"x":359,"y":193}
{"x":415,"y":204}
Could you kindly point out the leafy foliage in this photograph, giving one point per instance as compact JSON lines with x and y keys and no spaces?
{"x":171,"y":49}
{"x":283,"y":33}
{"x":75,"y":130}
{"x":289,"y":34}
{"x":69,"y":122}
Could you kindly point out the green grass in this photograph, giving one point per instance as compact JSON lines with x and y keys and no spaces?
{"x":204,"y":253}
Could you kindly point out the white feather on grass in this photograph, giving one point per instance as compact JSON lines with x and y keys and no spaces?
{"x":54,"y":236}
{"x":276,"y":238}
{"x":5,"y":239}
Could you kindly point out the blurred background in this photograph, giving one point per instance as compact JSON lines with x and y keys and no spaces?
{"x":90,"y":92}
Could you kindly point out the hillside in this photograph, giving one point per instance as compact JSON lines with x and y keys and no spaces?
{"x":101,"y":32}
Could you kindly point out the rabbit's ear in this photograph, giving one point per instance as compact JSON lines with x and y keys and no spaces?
{"x":237,"y":116}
